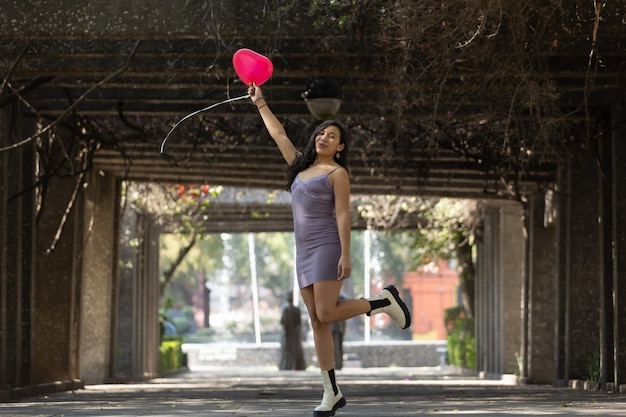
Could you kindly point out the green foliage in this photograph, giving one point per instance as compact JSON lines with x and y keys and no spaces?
{"x":226,"y":256}
{"x":460,"y":338}
{"x":443,"y":221}
{"x":344,"y":17}
{"x":274,"y":254}
{"x":593,"y":366}
{"x":201,"y":262}
{"x":177,"y":208}
{"x":216,"y":253}
{"x":182,"y":324}
{"x":171,"y":356}
{"x":447,"y":219}
{"x":205,"y":332}
{"x":398,"y":250}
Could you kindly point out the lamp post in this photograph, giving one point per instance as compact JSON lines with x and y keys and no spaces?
{"x":323,"y":97}
{"x":207,"y":304}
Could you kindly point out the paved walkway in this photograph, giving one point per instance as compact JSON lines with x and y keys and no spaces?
{"x":383,"y":392}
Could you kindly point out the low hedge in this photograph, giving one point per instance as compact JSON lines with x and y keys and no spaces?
{"x":460,"y":338}
{"x":171,"y":356}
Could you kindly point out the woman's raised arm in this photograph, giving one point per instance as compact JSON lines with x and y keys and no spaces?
{"x":273,"y":125}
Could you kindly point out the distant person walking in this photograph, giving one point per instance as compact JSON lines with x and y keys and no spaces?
{"x":338,"y":329}
{"x":318,"y":181}
{"x":291,"y":355}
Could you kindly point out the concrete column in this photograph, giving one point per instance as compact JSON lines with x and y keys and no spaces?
{"x":542,"y":276}
{"x":605,"y":203}
{"x":4,"y":317}
{"x":14,"y":278}
{"x":137,"y":325}
{"x":499,"y":284}
{"x":27,"y":259}
{"x":125,"y":292}
{"x":560,"y":301}
{"x":512,"y":247}
{"x":618,"y":192}
{"x":579,"y":296}
{"x":151,"y":328}
{"x":57,"y":277}
{"x":25,"y":199}
{"x":487,"y":313}
{"x":99,"y":269}
{"x":17,"y":211}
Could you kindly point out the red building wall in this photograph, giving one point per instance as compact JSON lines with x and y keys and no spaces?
{"x":433,"y":288}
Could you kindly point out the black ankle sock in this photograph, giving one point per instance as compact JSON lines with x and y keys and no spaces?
{"x":374,"y":304}
{"x":331,"y":376}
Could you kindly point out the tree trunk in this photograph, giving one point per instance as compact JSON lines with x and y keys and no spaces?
{"x":466,"y":273}
{"x":169,"y":273}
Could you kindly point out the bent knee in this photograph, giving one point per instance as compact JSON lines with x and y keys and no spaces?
{"x":326,"y":316}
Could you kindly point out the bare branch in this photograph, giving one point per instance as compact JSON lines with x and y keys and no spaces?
{"x":19,"y":57}
{"x":75,"y":103}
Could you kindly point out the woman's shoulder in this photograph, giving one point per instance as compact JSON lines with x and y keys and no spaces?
{"x":337,"y":169}
{"x":338,"y":175}
{"x":321,"y":171}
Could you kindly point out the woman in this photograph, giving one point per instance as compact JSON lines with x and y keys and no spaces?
{"x":318,"y":181}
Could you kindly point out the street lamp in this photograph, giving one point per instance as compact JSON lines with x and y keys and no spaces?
{"x":322,"y":97}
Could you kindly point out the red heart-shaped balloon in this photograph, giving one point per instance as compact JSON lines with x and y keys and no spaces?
{"x":252,"y":67}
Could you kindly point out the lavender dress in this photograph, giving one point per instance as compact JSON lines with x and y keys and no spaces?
{"x":317,"y":239}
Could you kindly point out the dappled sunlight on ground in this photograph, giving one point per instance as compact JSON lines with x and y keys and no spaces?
{"x":380,"y":392}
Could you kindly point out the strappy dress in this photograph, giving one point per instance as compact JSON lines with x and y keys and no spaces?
{"x":318,"y":248}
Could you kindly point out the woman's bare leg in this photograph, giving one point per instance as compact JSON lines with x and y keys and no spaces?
{"x":324,"y":307}
{"x":322,"y":336}
{"x":330,"y":309}
{"x":332,"y":399}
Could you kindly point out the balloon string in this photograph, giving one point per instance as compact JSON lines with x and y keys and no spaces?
{"x":195,"y":113}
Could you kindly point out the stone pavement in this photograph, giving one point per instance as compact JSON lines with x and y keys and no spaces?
{"x":380,"y":392}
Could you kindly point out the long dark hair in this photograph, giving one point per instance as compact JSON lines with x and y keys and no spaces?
{"x":305,"y":158}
